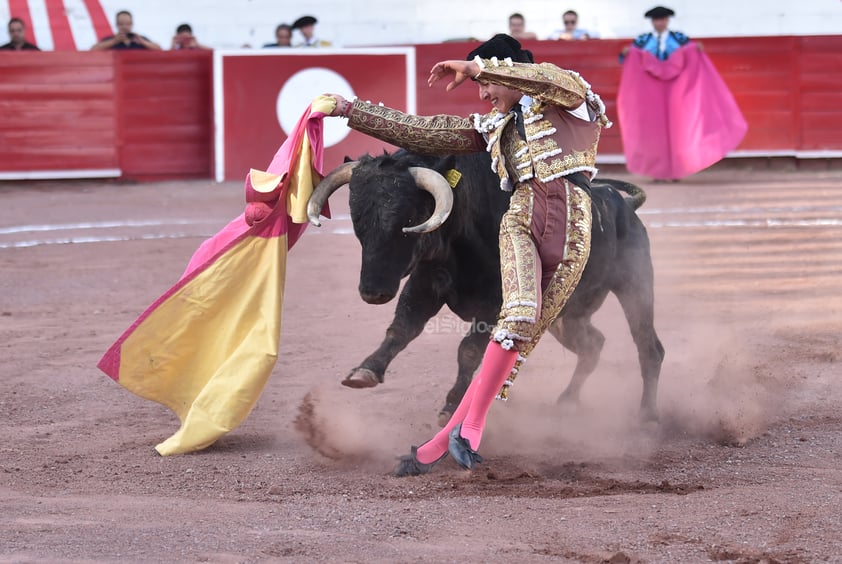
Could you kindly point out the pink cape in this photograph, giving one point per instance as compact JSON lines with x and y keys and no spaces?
{"x":677,"y":116}
{"x":207,"y":346}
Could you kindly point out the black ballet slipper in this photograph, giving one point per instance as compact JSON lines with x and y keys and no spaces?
{"x":409,"y":465}
{"x":461,"y":450}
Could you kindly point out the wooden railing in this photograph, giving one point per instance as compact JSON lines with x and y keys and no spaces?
{"x":146,"y":115}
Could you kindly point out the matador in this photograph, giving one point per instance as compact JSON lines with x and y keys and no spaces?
{"x":542,"y":134}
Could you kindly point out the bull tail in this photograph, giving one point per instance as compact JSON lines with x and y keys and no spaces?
{"x":638,"y":196}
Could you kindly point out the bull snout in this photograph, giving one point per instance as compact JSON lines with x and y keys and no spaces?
{"x":376,"y":298}
{"x":376,"y":289}
{"x":381,"y":272}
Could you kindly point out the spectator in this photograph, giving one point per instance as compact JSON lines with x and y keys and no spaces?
{"x":125,"y":37}
{"x":677,"y":114}
{"x":517,"y":28}
{"x":306,"y":26}
{"x":663,"y":41}
{"x":17,"y":37}
{"x":283,"y":36}
{"x":184,"y":39}
{"x":571,"y":31}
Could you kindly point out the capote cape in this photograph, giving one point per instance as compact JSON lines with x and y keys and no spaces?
{"x":207,"y":346}
{"x":677,"y":116}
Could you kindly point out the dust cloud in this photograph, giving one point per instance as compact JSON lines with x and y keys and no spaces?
{"x":719,"y":383}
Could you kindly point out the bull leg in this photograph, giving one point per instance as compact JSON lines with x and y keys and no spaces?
{"x":639,"y":306}
{"x":416,"y":305}
{"x":470,"y":354}
{"x":579,"y":336}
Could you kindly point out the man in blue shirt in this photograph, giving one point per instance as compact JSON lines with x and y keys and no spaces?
{"x":677,"y":115}
{"x":661,"y":41}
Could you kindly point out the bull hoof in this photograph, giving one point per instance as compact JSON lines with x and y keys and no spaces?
{"x":649,"y":417}
{"x":361,"y":378}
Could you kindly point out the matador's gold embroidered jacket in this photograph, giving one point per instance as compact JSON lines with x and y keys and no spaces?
{"x":557,"y":142}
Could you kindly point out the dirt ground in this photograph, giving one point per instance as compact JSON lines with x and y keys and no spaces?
{"x":744,"y":466}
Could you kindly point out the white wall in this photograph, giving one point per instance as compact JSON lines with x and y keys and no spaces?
{"x":232,"y":23}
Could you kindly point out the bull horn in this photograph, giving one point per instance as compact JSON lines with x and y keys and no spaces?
{"x":437,"y":185}
{"x":340,"y":176}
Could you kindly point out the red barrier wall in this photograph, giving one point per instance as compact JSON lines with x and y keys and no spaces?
{"x":136,"y":115}
{"x":165,"y":124}
{"x":820,"y":92}
{"x":787,"y":87}
{"x":149,"y":114}
{"x":58,"y":111}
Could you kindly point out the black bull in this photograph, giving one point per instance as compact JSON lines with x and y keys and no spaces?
{"x":458,"y":265}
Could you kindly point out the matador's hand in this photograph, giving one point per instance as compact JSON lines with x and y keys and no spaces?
{"x":341,"y":107}
{"x":461,"y":70}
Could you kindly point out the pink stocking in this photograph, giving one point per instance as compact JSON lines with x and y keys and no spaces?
{"x":435,"y":448}
{"x":496,"y":366}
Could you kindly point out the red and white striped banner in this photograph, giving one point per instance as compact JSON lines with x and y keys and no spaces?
{"x":61,"y":25}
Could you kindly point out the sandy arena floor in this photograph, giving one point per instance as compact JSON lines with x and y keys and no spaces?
{"x":744,"y":467}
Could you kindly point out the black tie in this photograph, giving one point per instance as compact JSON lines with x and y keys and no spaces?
{"x":519,"y":121}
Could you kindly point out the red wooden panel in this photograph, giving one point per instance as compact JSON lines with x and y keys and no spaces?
{"x":174,"y":134}
{"x":47,"y":139}
{"x":821,"y":54}
{"x":766,"y":102}
{"x":57,"y":112}
{"x":774,"y":63}
{"x":61,"y":75}
{"x":30,"y":120}
{"x":610,"y":146}
{"x":812,"y":100}
{"x":768,"y":44}
{"x":60,"y":161}
{"x":178,"y":110}
{"x":761,"y":73}
{"x":50,"y":60}
{"x":830,"y":82}
{"x":821,"y":140}
{"x":61,"y":109}
{"x":90,"y":152}
{"x":750,"y":82}
{"x":76,"y":109}
{"x":165,"y":63}
{"x":777,"y":117}
{"x":823,"y":120}
{"x":55,"y":92}
{"x":462,"y":101}
{"x":820,"y":82}
{"x":162,"y":91}
{"x":165,"y":114}
{"x":767,"y":139}
{"x":190,"y":160}
{"x":821,"y":63}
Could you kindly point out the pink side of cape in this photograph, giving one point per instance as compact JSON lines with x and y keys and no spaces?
{"x":274,"y":225}
{"x":677,"y":116}
{"x":277,"y":223}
